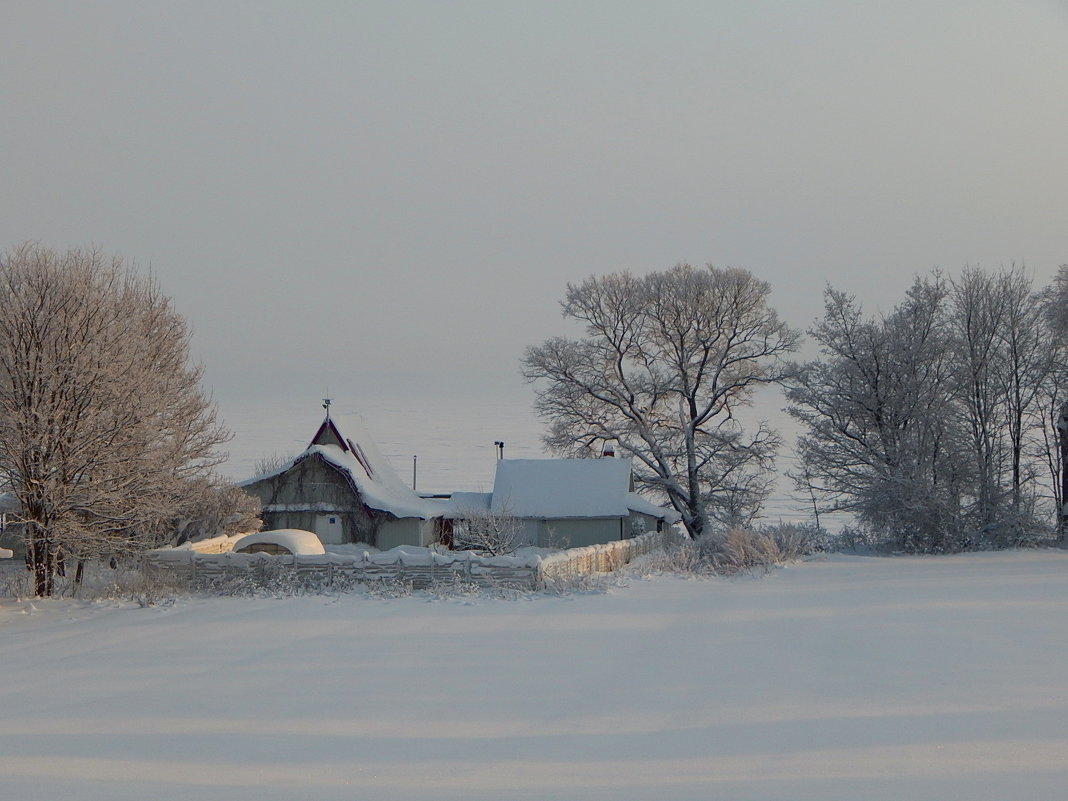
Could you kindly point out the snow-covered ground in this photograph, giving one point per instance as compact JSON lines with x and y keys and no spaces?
{"x":841,"y":678}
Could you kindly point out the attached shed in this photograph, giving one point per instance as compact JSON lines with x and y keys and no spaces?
{"x":344,"y":490}
{"x":568,"y":502}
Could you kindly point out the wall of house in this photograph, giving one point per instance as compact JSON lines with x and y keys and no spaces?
{"x":405,"y":531}
{"x":580,"y":532}
{"x":312,"y":488}
{"x":577,"y":533}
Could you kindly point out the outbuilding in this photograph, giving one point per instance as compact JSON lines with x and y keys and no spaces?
{"x":566,"y":503}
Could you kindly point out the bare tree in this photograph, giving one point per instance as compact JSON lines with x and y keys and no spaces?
{"x":492,"y":533}
{"x":103,"y":425}
{"x":272,"y":463}
{"x":1031,"y":359}
{"x":211,"y":507}
{"x":1055,"y":397}
{"x":667,"y":360}
{"x":976,"y":316}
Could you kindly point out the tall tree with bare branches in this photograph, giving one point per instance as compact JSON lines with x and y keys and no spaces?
{"x":103,"y":425}
{"x":667,"y":360}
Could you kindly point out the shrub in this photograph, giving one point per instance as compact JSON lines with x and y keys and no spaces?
{"x":729,"y":552}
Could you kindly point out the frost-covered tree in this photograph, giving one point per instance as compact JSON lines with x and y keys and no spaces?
{"x":1054,"y":396}
{"x":666,"y":361}
{"x":880,"y":439}
{"x":1004,"y":354}
{"x":491,"y":533}
{"x":103,"y":426}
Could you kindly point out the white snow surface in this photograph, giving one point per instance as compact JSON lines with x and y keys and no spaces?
{"x":834,"y":680}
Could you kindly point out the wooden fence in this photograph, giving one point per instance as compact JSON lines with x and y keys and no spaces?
{"x":606,"y":558}
{"x":419,"y":570}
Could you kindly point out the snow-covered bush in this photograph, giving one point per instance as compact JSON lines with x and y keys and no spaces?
{"x":799,"y":539}
{"x":728,"y":552}
{"x":15,"y":581}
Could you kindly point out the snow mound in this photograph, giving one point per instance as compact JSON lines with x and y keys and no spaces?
{"x":294,"y":540}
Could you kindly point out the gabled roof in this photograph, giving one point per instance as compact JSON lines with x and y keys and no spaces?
{"x":344,"y":443}
{"x":562,"y":488}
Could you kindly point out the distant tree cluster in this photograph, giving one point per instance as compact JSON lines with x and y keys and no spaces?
{"x":936,"y":424}
{"x":106,"y":439}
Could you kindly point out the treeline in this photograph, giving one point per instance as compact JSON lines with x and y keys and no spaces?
{"x":939,"y":424}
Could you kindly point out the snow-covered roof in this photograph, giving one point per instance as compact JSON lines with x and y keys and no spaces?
{"x":637,"y":503}
{"x":560,"y":488}
{"x":462,"y":504}
{"x":343,"y":442}
{"x":294,"y":540}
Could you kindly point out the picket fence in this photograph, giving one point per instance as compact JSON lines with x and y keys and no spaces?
{"x":418,"y":569}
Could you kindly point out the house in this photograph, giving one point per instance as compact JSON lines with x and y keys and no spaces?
{"x":565,"y":502}
{"x":344,"y":490}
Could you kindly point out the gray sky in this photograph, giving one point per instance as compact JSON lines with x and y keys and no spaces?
{"x":390,"y":197}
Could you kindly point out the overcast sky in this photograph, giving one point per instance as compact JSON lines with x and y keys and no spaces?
{"x":390,"y":197}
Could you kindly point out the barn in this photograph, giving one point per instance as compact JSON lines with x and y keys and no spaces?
{"x":344,"y":490}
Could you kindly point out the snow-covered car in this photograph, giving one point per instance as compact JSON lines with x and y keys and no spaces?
{"x":286,"y":541}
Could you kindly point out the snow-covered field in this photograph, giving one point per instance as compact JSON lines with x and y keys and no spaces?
{"x":841,"y":678}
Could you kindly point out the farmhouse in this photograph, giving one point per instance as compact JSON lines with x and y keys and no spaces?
{"x":344,"y":490}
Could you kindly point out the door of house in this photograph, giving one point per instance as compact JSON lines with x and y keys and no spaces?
{"x":329,"y":530}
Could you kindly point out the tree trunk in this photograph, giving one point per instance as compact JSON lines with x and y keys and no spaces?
{"x":42,"y":559}
{"x":1062,"y":438}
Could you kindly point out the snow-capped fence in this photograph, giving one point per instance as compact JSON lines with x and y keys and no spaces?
{"x":606,"y":558}
{"x":418,"y":568}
